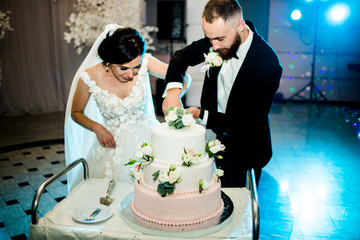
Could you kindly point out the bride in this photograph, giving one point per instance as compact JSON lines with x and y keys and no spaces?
{"x":110,"y":109}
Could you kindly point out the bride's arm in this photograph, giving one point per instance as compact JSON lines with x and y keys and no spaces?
{"x":80,"y":100}
{"x":157,"y":67}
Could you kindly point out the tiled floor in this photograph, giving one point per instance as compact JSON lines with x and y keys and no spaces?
{"x":308,"y":191}
{"x":22,"y":171}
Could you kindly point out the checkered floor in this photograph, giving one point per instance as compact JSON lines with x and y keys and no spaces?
{"x":22,"y":171}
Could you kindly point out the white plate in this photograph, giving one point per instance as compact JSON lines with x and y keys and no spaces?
{"x":81,"y":213}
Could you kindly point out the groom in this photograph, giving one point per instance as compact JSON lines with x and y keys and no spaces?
{"x":237,"y":95}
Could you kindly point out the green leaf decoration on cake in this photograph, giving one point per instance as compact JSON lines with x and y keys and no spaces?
{"x":179,"y":118}
{"x":165,"y":188}
{"x":167,"y":180}
{"x":180,"y":112}
{"x":156,"y":175}
{"x":131,"y":162}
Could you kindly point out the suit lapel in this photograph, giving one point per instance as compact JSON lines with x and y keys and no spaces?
{"x":209,"y":93}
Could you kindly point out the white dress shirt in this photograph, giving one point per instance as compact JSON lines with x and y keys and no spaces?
{"x":229,"y":71}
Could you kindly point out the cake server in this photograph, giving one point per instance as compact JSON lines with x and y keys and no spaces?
{"x":92,"y":216}
{"x":107,"y":200}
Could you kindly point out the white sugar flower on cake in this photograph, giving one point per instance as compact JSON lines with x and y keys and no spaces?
{"x":219,"y":173}
{"x":213,"y":147}
{"x":167,"y":180}
{"x":143,"y":154}
{"x":203,"y":184}
{"x":178,"y":118}
{"x":173,"y":177}
{"x":138,"y":172}
{"x":190,"y":157}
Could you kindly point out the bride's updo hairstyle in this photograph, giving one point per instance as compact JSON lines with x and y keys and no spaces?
{"x":121,"y":46}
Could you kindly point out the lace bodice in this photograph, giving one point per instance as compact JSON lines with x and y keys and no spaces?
{"x":116,"y":111}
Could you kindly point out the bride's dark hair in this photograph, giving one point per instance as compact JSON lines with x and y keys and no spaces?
{"x":122,"y":46}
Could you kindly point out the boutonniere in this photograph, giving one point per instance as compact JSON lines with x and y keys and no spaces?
{"x":212,"y":59}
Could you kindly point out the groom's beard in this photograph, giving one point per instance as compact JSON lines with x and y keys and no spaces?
{"x":228,"y":53}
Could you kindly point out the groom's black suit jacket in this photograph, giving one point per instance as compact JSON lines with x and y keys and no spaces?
{"x":244,"y":127}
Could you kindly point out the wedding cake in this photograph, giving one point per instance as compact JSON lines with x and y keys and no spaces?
{"x":175,"y":180}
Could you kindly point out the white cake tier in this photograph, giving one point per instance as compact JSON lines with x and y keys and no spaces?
{"x":190,"y":175}
{"x":168,"y":143}
{"x":177,"y":209}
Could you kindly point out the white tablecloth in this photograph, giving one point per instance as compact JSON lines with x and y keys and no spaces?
{"x":59,"y":224}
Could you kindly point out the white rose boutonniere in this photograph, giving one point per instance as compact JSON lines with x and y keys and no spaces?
{"x":212,"y":59}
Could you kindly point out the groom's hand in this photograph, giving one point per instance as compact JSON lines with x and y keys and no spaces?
{"x":172,"y":99}
{"x":194,"y":111}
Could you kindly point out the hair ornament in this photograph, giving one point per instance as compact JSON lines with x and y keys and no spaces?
{"x":111,"y":28}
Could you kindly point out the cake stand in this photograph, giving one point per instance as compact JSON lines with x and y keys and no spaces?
{"x":186,"y":231}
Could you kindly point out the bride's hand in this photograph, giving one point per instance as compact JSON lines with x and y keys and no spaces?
{"x":105,"y":138}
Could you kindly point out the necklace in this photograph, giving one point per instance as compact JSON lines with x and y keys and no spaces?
{"x":122,"y":81}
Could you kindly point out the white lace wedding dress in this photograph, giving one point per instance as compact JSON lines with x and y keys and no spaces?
{"x":129,"y":120}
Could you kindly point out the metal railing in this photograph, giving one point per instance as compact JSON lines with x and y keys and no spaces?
{"x":42,"y":187}
{"x":251,"y":185}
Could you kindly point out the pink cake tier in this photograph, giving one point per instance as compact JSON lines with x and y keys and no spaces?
{"x":177,"y":209}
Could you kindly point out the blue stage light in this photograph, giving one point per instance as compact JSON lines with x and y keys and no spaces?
{"x":337,"y":13}
{"x":296,"y":15}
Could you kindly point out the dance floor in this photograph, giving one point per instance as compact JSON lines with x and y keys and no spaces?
{"x":308,"y":191}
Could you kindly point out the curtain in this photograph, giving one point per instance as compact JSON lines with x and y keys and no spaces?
{"x":37,"y":64}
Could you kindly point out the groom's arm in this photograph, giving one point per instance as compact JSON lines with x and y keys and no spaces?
{"x":191,"y":55}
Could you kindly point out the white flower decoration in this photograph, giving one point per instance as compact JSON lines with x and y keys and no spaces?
{"x":212,"y":59}
{"x":179,"y":117}
{"x":163,"y":177}
{"x":171,"y":116}
{"x":138,"y":173}
{"x":190,"y":158}
{"x":213,"y":147}
{"x":139,"y":154}
{"x":147,"y":150}
{"x":173,"y":177}
{"x":91,"y":17}
{"x":219,"y":173}
{"x":188,"y":120}
{"x":203,"y":184}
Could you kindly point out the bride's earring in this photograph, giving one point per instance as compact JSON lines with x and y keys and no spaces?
{"x":107,"y":67}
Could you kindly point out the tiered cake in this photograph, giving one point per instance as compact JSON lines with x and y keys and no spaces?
{"x":180,"y":160}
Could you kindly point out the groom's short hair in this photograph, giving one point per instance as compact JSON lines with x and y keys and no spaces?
{"x":224,"y":9}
